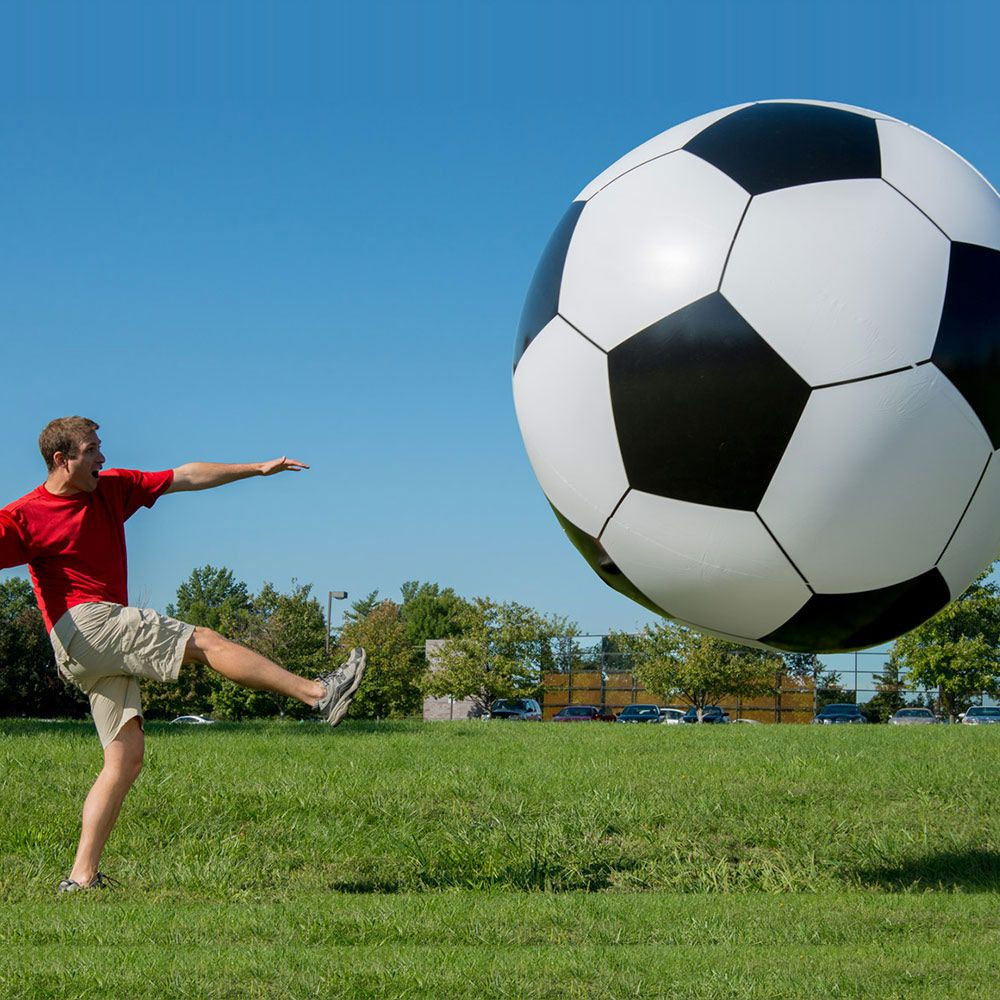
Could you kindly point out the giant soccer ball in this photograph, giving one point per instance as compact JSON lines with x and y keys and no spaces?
{"x":758,"y":375}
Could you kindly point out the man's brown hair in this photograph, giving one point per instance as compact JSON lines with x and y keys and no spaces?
{"x":63,"y":434}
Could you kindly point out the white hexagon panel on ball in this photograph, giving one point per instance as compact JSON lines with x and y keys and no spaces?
{"x":650,"y":243}
{"x":717,"y":569}
{"x":844,"y":279}
{"x":977,"y":537}
{"x":564,"y":410}
{"x":875,"y":479}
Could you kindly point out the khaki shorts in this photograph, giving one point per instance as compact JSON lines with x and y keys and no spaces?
{"x":105,"y":648}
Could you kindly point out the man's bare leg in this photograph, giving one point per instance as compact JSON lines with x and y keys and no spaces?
{"x":248,"y":668}
{"x":122,"y":763}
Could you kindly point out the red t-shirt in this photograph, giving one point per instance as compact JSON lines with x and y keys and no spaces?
{"x":75,"y":545}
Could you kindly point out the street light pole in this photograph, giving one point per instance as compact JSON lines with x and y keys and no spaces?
{"x":340,"y":595}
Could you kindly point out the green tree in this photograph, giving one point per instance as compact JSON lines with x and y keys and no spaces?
{"x":211,"y":597}
{"x":889,"y":687}
{"x":676,"y":662}
{"x":288,"y":628}
{"x":501,"y":651}
{"x":957,"y":651}
{"x":362,"y":607}
{"x":430,"y":612}
{"x":391,"y":688}
{"x":29,"y":684}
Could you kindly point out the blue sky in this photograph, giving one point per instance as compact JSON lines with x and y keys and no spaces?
{"x":234,"y":231}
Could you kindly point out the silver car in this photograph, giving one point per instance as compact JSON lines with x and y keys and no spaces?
{"x":980,"y":715}
{"x":516,"y":710}
{"x":914,"y":717}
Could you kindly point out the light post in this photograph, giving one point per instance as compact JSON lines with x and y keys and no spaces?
{"x":340,"y":595}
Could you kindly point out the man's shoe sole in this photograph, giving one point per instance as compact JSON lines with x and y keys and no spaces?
{"x":345,"y":702}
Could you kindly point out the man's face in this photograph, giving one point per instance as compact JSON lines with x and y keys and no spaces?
{"x":84,"y":464}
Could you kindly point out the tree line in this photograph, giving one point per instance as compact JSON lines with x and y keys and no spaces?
{"x":493,"y":650}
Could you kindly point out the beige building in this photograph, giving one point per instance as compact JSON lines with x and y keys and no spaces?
{"x":444,"y":709}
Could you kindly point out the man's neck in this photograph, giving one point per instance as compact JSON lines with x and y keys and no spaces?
{"x":59,"y":485}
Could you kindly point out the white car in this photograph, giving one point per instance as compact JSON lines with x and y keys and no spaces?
{"x":194,"y":720}
{"x":672,"y":716}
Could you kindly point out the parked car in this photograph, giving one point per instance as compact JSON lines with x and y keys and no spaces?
{"x":913,"y":717}
{"x":516,"y":710}
{"x":583,"y":713}
{"x":194,"y":720}
{"x":709,"y":714}
{"x":980,"y":715}
{"x":672,"y":716}
{"x":835,"y":714}
{"x":639,"y":713}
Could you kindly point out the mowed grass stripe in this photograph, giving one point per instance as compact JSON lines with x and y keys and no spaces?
{"x":286,"y":808}
{"x":702,"y":972}
{"x":510,"y":920}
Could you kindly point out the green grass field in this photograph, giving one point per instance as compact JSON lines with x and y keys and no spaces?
{"x":498,"y":860}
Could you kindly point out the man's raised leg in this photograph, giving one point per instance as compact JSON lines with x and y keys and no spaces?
{"x":248,"y":668}
{"x":331,"y":695}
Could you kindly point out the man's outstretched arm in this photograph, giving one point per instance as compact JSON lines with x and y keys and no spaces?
{"x":205,"y":475}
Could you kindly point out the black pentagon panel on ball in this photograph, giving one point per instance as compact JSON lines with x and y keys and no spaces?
{"x":769,"y":146}
{"x":542,"y":301}
{"x":703,"y":406}
{"x":603,"y":565}
{"x":832,"y":623}
{"x":967,"y":348}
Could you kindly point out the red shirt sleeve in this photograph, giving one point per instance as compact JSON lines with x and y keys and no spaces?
{"x":139,"y":489}
{"x":12,"y":548}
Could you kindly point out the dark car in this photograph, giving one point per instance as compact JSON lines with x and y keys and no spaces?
{"x":834,"y":714}
{"x":583,"y":713}
{"x":639,"y":713}
{"x":516,"y":710}
{"x":710,"y":714}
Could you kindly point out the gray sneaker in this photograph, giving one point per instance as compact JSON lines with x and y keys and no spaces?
{"x":340,"y":686}
{"x":99,"y":881}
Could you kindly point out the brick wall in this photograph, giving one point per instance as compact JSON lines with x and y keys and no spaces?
{"x":616,"y":690}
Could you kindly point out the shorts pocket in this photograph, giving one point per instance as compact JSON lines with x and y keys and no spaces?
{"x":130,"y":627}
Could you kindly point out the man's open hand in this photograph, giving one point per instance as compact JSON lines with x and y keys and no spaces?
{"x":282,"y":464}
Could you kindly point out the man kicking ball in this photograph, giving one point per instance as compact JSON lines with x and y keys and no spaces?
{"x":71,"y":533}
